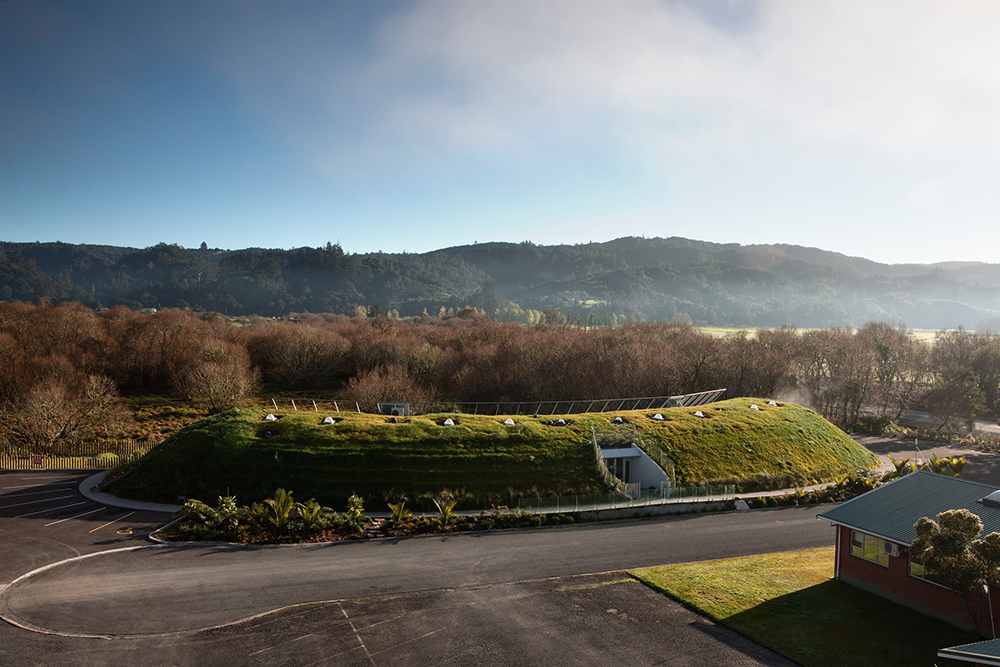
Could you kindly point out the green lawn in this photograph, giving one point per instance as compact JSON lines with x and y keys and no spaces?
{"x":790,"y":602}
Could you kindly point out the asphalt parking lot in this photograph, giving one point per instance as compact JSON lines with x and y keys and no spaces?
{"x":562,"y":620}
{"x":45,"y":519}
{"x":585,"y":620}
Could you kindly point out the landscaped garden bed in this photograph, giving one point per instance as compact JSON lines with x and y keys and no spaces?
{"x":846,"y":487}
{"x":282,"y":520}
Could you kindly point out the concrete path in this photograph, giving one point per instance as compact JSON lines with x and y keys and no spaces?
{"x":88,"y":492}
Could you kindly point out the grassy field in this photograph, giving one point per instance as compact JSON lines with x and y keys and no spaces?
{"x":157,"y":416}
{"x":477,"y":458}
{"x":790,"y":602}
{"x":923,"y":335}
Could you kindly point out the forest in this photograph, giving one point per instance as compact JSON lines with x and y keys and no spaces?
{"x":64,"y":368}
{"x":597,"y":284}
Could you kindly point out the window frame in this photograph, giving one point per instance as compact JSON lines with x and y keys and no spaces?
{"x":926,"y":575}
{"x":869,"y":548}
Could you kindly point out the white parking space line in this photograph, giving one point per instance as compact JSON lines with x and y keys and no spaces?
{"x":38,"y":486}
{"x":74,"y":517}
{"x":46,"y":477}
{"x":35,"y":502}
{"x":281,"y":644}
{"x":31,"y":493}
{"x":54,"y":509}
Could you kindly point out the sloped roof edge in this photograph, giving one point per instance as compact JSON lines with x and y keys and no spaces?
{"x":891,"y":510}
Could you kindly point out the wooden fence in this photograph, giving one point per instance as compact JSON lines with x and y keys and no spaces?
{"x":94,"y":455}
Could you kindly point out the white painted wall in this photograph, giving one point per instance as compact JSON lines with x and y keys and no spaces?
{"x":645,"y":472}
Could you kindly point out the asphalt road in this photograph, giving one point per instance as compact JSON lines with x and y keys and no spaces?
{"x":551,"y":595}
{"x":928,"y":420}
{"x":172,"y":589}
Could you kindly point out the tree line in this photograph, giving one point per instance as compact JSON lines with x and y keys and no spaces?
{"x":62,"y":366}
{"x":705,"y":284}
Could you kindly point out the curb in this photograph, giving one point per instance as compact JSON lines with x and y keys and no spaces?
{"x":86,"y":490}
{"x":16,"y":622}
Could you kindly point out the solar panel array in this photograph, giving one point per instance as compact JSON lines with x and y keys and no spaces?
{"x":501,"y":407}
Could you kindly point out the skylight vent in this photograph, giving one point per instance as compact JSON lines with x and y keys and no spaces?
{"x":993,"y":499}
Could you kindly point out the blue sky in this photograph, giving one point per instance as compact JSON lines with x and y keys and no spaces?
{"x":868,"y":128}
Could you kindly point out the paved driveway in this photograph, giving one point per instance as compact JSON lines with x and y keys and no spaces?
{"x":43,"y":519}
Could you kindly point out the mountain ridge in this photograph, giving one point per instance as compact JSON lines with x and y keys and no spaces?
{"x":639,"y":278}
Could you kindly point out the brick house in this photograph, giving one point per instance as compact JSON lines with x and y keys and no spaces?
{"x":875,"y":530}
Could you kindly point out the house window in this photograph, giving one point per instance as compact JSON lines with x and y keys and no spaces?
{"x":921,"y":571}
{"x":868,"y":547}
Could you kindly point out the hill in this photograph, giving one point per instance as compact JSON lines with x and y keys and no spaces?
{"x":478,"y":458}
{"x":644,"y":279}
{"x":782,"y":446}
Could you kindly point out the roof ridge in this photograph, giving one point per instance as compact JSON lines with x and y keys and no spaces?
{"x":957,"y":479}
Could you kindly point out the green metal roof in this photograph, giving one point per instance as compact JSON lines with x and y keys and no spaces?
{"x":985,"y":653}
{"x":891,"y":510}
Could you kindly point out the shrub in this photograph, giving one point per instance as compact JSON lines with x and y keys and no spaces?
{"x":355,"y":517}
{"x":228,"y":513}
{"x":309,"y":513}
{"x":446,"y":509}
{"x":281,"y":509}
{"x":196,"y":511}
{"x":875,"y":424}
{"x":400,"y":514}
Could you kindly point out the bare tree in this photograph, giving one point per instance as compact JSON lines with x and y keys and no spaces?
{"x":223,"y":379}
{"x":838,"y":369}
{"x":53,"y":414}
{"x":391,"y":382}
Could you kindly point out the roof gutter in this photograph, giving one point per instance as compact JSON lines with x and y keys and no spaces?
{"x":894,"y":540}
{"x":978,"y":660}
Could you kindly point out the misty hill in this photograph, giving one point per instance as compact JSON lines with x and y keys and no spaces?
{"x":652,"y":279}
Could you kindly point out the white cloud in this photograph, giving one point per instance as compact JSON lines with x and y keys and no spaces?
{"x":908,"y":78}
{"x":810,"y":122}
